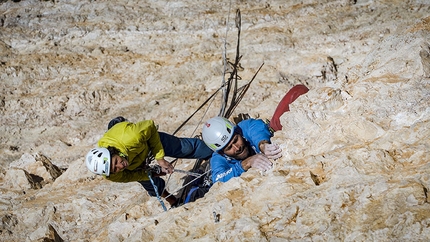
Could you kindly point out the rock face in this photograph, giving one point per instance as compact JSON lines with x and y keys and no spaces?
{"x":355,"y":163}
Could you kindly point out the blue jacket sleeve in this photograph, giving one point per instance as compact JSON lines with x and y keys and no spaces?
{"x":255,"y":131}
{"x":223,"y":170}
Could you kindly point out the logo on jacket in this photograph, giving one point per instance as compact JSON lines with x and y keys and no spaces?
{"x":219,"y":176}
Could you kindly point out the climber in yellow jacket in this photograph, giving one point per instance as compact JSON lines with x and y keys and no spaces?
{"x":133,"y":142}
{"x":123,"y":151}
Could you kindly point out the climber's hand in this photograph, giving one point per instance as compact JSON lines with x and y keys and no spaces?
{"x":272,"y":151}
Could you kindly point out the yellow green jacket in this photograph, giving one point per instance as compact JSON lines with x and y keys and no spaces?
{"x":134,"y":141}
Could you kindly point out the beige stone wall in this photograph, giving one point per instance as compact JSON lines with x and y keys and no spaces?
{"x":355,"y":147}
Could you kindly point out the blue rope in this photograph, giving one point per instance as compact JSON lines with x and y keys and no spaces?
{"x":156,"y":191}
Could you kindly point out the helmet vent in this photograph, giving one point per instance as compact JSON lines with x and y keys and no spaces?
{"x":99,"y":155}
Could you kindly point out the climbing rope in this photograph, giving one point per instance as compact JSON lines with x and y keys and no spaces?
{"x":194,"y":174}
{"x":157,"y":170}
{"x":225,"y":111}
{"x":156,"y":191}
{"x":200,"y":175}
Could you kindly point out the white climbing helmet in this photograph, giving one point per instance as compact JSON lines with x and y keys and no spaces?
{"x":217,"y":132}
{"x":98,"y":161}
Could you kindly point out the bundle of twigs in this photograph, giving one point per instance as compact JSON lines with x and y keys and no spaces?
{"x":232,"y":95}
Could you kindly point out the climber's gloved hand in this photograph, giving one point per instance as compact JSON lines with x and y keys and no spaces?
{"x":272,"y":151}
{"x":258,"y":161}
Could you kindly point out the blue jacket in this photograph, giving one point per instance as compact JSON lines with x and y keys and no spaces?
{"x":223,"y":167}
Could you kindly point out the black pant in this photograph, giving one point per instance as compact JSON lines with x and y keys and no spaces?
{"x":188,"y":148}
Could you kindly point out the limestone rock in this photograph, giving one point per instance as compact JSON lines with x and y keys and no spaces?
{"x":355,"y":147}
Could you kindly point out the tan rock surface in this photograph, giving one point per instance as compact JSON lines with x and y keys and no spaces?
{"x":355,"y":163}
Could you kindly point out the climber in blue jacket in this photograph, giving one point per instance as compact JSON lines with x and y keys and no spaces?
{"x":238,"y":147}
{"x":246,"y":145}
